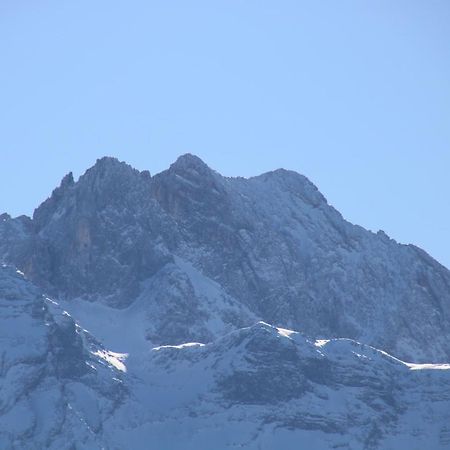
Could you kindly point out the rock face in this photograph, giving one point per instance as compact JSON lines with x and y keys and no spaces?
{"x":271,"y":244}
{"x":54,"y":392}
{"x":135,"y":311}
{"x":258,"y":387}
{"x":268,"y":388}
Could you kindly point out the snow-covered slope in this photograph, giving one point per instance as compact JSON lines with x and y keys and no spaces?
{"x":55,"y":392}
{"x":258,"y":387}
{"x":203,"y":254}
{"x":262,"y":388}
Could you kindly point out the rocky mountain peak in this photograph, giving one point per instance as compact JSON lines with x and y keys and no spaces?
{"x":106,"y":162}
{"x":188,"y":185}
{"x":109,"y":182}
{"x":178,"y":277}
{"x":189,"y":162}
{"x":295,"y":183}
{"x":106,"y":170}
{"x":271,"y":243}
{"x":51,"y":204}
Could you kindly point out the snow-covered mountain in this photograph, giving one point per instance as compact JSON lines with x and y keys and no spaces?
{"x":135,"y":312}
{"x":56,"y":387}
{"x":206,"y":253}
{"x":258,"y":387}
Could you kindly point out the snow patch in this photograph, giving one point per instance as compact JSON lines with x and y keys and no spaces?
{"x":321,"y":342}
{"x":113,"y":358}
{"x":428,"y":366}
{"x":181,"y":346}
{"x":285,"y":332}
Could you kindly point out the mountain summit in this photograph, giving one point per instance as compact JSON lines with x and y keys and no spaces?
{"x":225,"y":251}
{"x":142,"y":311}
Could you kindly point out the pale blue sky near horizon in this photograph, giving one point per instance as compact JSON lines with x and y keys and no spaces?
{"x":353,"y":94}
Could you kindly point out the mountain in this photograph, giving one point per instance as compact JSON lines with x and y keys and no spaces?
{"x":195,"y":255}
{"x":57,"y":387}
{"x":267,"y":387}
{"x":258,"y":387}
{"x":157,"y":312}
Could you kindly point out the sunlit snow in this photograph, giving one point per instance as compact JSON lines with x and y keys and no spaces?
{"x":115,"y":359}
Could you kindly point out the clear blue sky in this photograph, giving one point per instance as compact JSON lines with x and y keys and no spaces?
{"x":353,"y":94}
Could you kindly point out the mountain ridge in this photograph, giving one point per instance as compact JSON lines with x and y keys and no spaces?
{"x":187,"y":310}
{"x":271,"y":242}
{"x":258,"y":387}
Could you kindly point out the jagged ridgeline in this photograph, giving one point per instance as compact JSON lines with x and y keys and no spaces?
{"x":204,"y":254}
{"x":141,"y":312}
